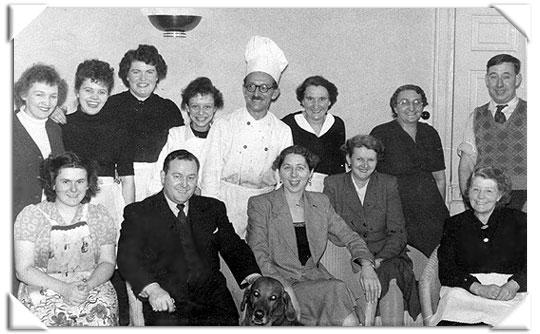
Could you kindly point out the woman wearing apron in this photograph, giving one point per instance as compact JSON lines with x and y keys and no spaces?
{"x":65,"y":249}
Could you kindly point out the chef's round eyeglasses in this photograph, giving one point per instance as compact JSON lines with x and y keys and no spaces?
{"x":262,"y":88}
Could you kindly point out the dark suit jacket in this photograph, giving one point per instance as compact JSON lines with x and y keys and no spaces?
{"x":150,"y":251}
{"x":379,"y":220}
{"x":27,"y":159}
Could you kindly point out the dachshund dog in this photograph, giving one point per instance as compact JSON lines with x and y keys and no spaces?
{"x":268,"y":304}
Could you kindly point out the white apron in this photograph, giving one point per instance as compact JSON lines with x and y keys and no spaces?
{"x":143,"y":174}
{"x":459,"y":305}
{"x":235,"y":198}
{"x":110,"y":196}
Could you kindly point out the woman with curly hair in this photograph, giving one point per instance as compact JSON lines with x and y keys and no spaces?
{"x":145,"y":115}
{"x":65,"y":249}
{"x":94,"y":132}
{"x":36,"y":94}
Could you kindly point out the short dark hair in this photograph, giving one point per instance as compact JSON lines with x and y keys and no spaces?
{"x":39,"y":73}
{"x":202,"y":86}
{"x":504,"y":58}
{"x":367,"y":141}
{"x":97,"y":71}
{"x":317,"y":80}
{"x":180,"y":155}
{"x":147,"y":54}
{"x":417,"y":89}
{"x":312,"y":159}
{"x":492,"y":173}
{"x":51,"y":167}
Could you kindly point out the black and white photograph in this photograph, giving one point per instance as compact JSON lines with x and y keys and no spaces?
{"x":268,"y":166}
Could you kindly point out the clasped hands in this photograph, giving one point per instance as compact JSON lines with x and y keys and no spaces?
{"x":506,"y":291}
{"x":76,"y":293}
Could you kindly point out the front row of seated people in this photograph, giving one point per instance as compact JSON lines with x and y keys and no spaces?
{"x":169,"y":245}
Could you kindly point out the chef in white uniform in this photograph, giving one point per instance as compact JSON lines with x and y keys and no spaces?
{"x":243,"y":144}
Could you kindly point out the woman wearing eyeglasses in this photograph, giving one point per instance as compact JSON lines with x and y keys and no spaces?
{"x":414,"y":154}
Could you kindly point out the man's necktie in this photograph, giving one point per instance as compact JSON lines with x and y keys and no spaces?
{"x":499,"y":116}
{"x":186,"y":239}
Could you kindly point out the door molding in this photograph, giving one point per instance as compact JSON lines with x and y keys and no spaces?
{"x":443,"y":87}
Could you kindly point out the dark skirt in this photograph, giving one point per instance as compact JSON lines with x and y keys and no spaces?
{"x":424,"y":210}
{"x":400,"y":268}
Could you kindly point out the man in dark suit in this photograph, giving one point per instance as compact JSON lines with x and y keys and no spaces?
{"x":168,"y":251}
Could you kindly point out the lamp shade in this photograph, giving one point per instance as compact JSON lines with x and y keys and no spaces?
{"x":174,"y":25}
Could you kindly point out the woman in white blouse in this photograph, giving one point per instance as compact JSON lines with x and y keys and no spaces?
{"x":200,"y":99}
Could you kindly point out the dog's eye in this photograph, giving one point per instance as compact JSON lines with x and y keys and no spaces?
{"x":273,"y":297}
{"x":256,"y":293}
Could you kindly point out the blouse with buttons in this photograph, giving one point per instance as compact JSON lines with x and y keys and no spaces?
{"x":470,"y":247}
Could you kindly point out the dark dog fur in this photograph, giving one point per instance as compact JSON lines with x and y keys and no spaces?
{"x":268,"y":304}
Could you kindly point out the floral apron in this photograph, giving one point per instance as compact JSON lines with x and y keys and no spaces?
{"x":72,"y":257}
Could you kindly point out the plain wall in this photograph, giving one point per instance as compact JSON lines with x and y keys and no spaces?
{"x":366,"y":52}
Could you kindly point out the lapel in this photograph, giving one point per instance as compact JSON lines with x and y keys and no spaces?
{"x":27,"y":143}
{"x":353,"y":202}
{"x":200,"y":217}
{"x":316,"y":225}
{"x":166,"y":216}
{"x":282,"y":220}
{"x":55,"y":137}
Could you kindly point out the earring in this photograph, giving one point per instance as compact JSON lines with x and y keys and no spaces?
{"x":309,"y":181}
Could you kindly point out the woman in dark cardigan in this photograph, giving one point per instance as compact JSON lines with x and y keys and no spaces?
{"x":483,"y":254}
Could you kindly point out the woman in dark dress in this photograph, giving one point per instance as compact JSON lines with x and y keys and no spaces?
{"x":318,"y":130}
{"x":147,"y":115}
{"x":413,"y":153}
{"x":483,"y":255}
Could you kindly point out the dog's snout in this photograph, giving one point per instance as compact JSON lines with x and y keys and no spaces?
{"x":258,"y":314}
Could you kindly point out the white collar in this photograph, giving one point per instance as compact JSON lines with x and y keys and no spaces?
{"x":172,"y":205}
{"x":512,"y":104}
{"x":302,"y":122}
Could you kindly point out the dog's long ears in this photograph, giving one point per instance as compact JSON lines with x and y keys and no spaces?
{"x":245,"y":298}
{"x":290,"y":312}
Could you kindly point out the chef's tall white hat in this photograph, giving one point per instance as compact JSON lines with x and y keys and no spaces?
{"x":263,"y":55}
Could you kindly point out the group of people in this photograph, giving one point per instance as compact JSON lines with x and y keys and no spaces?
{"x":122,"y":190}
